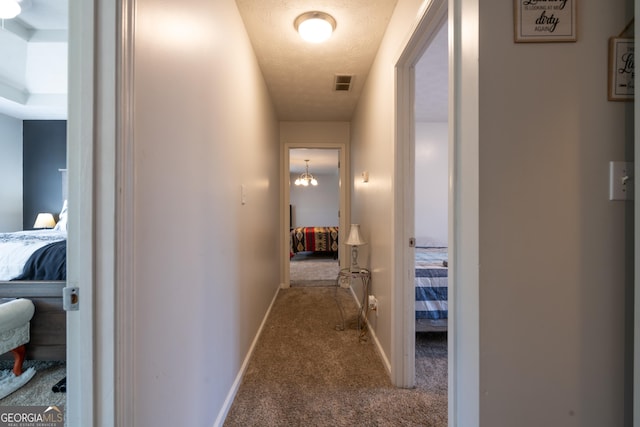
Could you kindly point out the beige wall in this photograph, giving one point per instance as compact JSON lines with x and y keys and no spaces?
{"x":314,"y":132}
{"x":554,"y":269}
{"x":205,"y":265}
{"x":372,"y":150}
{"x":555,"y":258}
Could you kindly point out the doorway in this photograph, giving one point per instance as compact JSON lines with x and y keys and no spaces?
{"x":302,"y":208}
{"x":431,"y":227}
{"x":463,"y":302}
{"x":314,"y":207}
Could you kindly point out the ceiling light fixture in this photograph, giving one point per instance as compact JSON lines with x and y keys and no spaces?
{"x":9,"y":9}
{"x":315,"y":27}
{"x":306,"y":178}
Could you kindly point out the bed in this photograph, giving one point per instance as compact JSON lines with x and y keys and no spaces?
{"x":314,"y":239}
{"x":431,"y":290}
{"x":33,"y":266}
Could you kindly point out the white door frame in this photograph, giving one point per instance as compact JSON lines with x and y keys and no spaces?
{"x":91,"y":135}
{"x":345,"y":212}
{"x":463,"y":307}
{"x":432,"y":19}
{"x":80,"y":265}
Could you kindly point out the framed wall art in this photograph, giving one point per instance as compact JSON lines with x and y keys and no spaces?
{"x":537,"y":21}
{"x":621,"y":69}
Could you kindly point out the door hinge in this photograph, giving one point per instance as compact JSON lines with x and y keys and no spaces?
{"x":412,"y":242}
{"x":71,"y":298}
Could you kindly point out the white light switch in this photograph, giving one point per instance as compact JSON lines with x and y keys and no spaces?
{"x":621,"y":180}
{"x":243,"y":194}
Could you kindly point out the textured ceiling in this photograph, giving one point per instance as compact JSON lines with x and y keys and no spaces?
{"x":33,"y":83}
{"x":300,"y":75}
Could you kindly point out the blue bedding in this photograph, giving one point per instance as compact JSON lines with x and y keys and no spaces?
{"x":431,"y":283}
{"x":47,"y":263}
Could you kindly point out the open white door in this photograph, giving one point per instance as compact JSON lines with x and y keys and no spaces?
{"x":91,"y":130}
{"x":80,"y":242}
{"x":463,"y":338}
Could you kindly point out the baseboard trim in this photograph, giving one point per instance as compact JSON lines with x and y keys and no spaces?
{"x":222,"y":415}
{"x":372,"y":334}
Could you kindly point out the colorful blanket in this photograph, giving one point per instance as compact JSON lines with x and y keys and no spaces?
{"x":314,"y":239}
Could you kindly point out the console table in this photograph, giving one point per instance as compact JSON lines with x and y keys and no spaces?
{"x":346,"y":275}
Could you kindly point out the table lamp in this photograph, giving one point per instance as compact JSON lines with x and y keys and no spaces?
{"x":44,"y":220}
{"x":354,"y":240}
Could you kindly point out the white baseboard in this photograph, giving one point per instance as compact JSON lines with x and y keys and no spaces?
{"x":222,"y":415}
{"x":372,"y":334}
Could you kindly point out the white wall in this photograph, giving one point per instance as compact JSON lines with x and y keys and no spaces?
{"x":205,"y":265}
{"x":10,"y":174}
{"x":555,"y":272}
{"x":372,"y":150}
{"x":431,"y":184}
{"x":555,"y":253}
{"x":316,"y":206}
{"x":314,"y":132}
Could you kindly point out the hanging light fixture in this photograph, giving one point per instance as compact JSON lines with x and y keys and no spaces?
{"x":315,"y":27}
{"x":306,"y":178}
{"x":9,"y":9}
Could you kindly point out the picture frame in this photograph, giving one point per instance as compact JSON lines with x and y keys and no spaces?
{"x":540,"y":21}
{"x":621,"y":69}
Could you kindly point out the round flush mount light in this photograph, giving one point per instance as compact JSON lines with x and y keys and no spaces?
{"x":315,"y":27}
{"x":9,"y":9}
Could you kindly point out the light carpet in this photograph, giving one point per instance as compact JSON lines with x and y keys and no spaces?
{"x":304,"y":372}
{"x":10,"y":383}
{"x":38,"y":390}
{"x":313,"y":269}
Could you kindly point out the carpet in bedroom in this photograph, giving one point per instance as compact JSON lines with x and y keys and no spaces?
{"x":38,"y":390}
{"x":304,"y":372}
{"x":313,"y":269}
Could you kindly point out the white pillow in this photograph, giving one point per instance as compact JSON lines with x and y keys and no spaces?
{"x":62,"y":218}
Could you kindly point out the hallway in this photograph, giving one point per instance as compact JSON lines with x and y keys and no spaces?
{"x":304,"y":372}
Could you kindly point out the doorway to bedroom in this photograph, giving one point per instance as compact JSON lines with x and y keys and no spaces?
{"x":314,"y":216}
{"x":431,"y":218}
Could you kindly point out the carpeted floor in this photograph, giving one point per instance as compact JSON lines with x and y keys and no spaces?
{"x":38,"y":390}
{"x":304,"y":372}
{"x":313,"y":269}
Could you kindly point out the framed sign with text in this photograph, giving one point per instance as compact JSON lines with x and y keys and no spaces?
{"x":621,"y":69}
{"x":537,"y":21}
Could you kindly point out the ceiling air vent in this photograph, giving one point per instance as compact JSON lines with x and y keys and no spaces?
{"x":342,"y":82}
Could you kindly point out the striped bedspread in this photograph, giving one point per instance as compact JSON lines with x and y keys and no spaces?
{"x":314,"y":239}
{"x":431,"y":284}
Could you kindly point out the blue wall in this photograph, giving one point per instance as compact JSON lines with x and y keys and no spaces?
{"x":44,"y":153}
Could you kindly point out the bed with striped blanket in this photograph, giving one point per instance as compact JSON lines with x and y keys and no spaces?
{"x":431,"y":279}
{"x":314,"y":239}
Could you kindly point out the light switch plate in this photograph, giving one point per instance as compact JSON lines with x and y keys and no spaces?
{"x":621,"y":181}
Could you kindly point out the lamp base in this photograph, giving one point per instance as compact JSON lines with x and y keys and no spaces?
{"x":354,"y":268}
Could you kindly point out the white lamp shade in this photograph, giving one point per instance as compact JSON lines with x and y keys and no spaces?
{"x":355,"y":239}
{"x":44,"y":220}
{"x":9,"y":9}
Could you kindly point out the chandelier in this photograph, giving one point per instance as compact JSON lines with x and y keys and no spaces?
{"x":306,"y":178}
